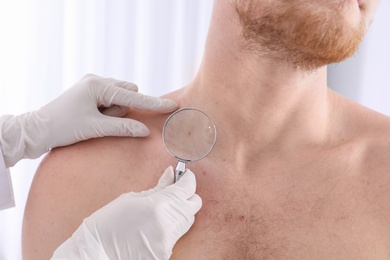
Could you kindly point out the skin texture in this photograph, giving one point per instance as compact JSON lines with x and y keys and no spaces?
{"x":298,"y":172}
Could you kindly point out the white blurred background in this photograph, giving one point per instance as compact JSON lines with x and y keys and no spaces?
{"x":48,"y":45}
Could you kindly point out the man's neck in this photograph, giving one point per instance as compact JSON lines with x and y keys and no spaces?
{"x":266,"y":110}
{"x":258,"y":103}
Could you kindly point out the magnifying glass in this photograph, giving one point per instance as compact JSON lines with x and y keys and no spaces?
{"x":189,"y":135}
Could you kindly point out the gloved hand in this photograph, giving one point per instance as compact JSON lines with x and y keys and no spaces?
{"x":74,"y":116}
{"x":143,"y":225}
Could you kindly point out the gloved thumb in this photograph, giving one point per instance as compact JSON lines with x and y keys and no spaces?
{"x":114,"y":126}
{"x":166,"y":179}
{"x":185,"y":187}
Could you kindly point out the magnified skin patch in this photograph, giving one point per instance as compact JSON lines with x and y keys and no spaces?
{"x":189,"y":134}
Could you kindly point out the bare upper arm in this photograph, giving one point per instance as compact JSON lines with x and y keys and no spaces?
{"x":70,"y":184}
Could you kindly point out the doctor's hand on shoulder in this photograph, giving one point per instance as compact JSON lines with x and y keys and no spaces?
{"x":144,"y":225}
{"x":93,"y":107}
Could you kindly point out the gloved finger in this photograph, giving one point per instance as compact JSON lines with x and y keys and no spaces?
{"x":196,"y":203}
{"x":118,"y":96}
{"x":190,"y":220}
{"x":111,"y":81}
{"x":116,"y":111}
{"x":150,"y":103}
{"x":126,"y":85}
{"x":190,"y":207}
{"x":166,"y":179}
{"x":114,"y":126}
{"x":185,"y":187}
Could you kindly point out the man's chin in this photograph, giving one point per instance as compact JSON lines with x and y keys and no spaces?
{"x":306,"y":38}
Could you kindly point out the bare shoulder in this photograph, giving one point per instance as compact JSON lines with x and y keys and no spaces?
{"x":370,"y":126}
{"x":370,"y":132}
{"x":72,"y":182}
{"x":368,"y":123}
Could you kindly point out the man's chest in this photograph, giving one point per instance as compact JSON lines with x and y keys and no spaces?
{"x":272,"y":218}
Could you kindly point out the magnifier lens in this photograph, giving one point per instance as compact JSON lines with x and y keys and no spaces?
{"x":189,"y":135}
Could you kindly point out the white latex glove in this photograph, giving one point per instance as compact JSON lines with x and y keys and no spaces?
{"x":74,"y":116}
{"x":143,"y":225}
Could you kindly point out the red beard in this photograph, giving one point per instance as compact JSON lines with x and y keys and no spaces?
{"x":306,"y":34}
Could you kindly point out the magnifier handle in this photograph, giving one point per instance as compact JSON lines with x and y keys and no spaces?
{"x":180,"y":170}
